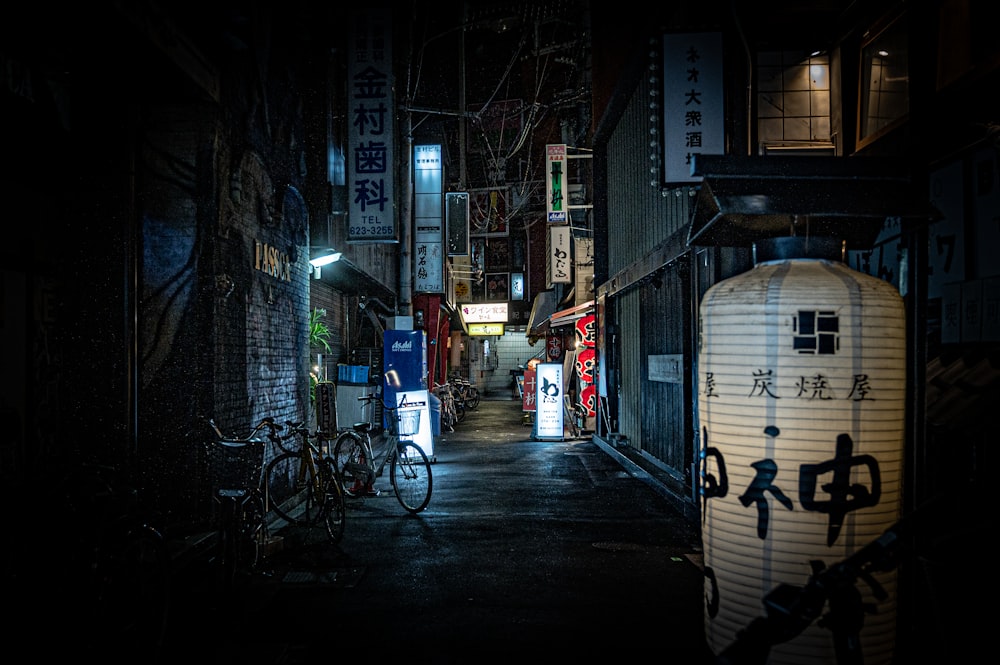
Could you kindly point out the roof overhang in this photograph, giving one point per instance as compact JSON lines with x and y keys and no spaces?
{"x":348,"y":278}
{"x":541,"y":309}
{"x":569,"y":316}
{"x":455,"y":318}
{"x":745,"y":199}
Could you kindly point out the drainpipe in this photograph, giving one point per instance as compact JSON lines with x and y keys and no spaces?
{"x":405,"y":304}
{"x":749,"y":101}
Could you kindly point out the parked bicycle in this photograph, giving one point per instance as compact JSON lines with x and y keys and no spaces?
{"x":451,"y":414}
{"x":466,"y":393}
{"x":409,"y":468}
{"x":234,"y":467}
{"x":301,"y":484}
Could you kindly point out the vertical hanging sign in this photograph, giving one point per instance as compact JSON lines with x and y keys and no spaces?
{"x":428,"y":220}
{"x":692,"y":101}
{"x":558,"y":259}
{"x":370,"y":164}
{"x":555,"y":183}
{"x":457,"y":222}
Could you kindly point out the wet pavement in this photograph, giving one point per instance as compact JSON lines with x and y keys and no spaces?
{"x":534,"y":550}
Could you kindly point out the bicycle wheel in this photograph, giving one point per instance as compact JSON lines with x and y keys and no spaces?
{"x":350,"y":461}
{"x":291,"y":490}
{"x":472,"y":397}
{"x":460,"y":410}
{"x":253,"y":534}
{"x":410,"y":475}
{"x":334,"y":511}
{"x":228,"y":562}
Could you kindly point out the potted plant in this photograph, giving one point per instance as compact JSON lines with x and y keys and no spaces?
{"x":319,"y":334}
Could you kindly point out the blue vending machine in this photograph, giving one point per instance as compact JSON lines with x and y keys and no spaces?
{"x":404,"y":364}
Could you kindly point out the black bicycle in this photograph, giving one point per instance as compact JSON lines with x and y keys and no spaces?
{"x":235,"y":465}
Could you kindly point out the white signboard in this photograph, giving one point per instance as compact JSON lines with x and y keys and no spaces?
{"x":559,"y":263}
{"x":428,"y":220}
{"x":412,"y":405}
{"x":692,"y":101}
{"x":489,"y":312}
{"x":549,"y":401}
{"x":371,"y":105}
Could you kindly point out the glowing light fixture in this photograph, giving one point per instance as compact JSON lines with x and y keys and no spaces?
{"x":326,"y":259}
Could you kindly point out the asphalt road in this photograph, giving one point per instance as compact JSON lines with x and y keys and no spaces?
{"x":540,"y":551}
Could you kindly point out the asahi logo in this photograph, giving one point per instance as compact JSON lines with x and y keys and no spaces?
{"x":402,"y":346}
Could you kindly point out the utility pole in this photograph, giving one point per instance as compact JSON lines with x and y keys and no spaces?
{"x":405,"y":305}
{"x":461,"y":100}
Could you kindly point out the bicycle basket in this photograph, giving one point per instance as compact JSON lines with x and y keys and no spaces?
{"x":409,"y":423}
{"x":234,"y":467}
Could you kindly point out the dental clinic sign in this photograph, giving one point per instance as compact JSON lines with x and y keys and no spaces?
{"x":371,"y":109}
{"x":692,"y":101}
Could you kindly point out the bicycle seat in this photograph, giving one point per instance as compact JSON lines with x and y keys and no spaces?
{"x":364,"y":428}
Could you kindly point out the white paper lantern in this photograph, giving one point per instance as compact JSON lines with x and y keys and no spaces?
{"x":801,"y":367}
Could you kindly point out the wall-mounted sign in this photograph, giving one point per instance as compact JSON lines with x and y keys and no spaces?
{"x":456,"y":209}
{"x":428,"y":220}
{"x":666,"y":368}
{"x":272,"y":261}
{"x":555,"y":187}
{"x":371,"y":179}
{"x":553,"y":347}
{"x":692,"y":101}
{"x":558,"y":261}
{"x":549,"y":401}
{"x":490,"y":312}
{"x":485,"y":329}
{"x":517,"y":286}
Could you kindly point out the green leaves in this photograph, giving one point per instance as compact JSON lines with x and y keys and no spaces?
{"x":319,"y":333}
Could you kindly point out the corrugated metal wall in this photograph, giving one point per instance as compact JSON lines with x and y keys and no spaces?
{"x":632,"y":360}
{"x":640,"y":215}
{"x":666,"y":327}
{"x":654,"y":416}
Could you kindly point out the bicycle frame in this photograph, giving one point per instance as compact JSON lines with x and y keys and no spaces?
{"x":356,"y":462}
{"x":301,"y":485}
{"x":238,"y":463}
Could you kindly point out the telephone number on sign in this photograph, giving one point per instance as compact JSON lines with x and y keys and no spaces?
{"x":370,"y":231}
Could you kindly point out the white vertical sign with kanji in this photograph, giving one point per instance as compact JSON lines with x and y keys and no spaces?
{"x":428,"y":220}
{"x":559,"y":262}
{"x":371,"y":106}
{"x":693,"y":101}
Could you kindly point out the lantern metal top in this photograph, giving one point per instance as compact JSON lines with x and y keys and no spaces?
{"x":742,"y":200}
